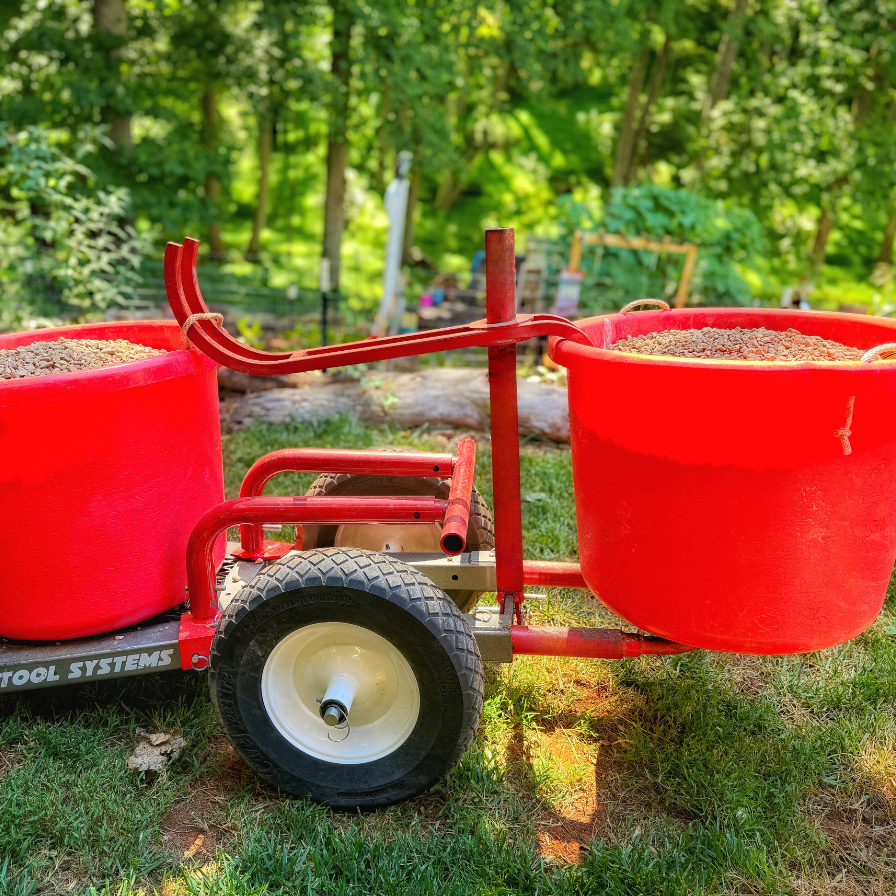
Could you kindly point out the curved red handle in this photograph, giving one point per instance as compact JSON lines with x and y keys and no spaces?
{"x":185,"y":298}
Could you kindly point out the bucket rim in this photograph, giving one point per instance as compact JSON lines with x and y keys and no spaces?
{"x":101,"y":380}
{"x":570,"y":354}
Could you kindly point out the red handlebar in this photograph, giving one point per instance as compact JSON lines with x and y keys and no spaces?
{"x":185,"y":298}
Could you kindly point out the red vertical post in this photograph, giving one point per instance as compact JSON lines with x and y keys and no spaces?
{"x":500,"y":303}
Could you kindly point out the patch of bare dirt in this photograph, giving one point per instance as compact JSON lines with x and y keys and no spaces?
{"x":188,"y":828}
{"x":594,"y":698}
{"x":850,"y":828}
{"x":565,"y":830}
{"x":840,"y":883}
{"x":230,"y":767}
{"x":585,"y":767}
{"x":581,"y":698}
{"x":862,"y":837}
{"x":613,"y":806}
{"x":193,"y":827}
{"x":564,"y":834}
{"x":10,"y":758}
{"x":749,"y":675}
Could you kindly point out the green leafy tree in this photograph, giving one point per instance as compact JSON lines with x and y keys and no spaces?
{"x":793,"y":143}
{"x":62,"y":231}
{"x":207,"y":58}
{"x":726,"y":234}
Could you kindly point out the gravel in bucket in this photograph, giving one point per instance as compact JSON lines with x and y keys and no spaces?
{"x":70,"y":356}
{"x":739,"y":344}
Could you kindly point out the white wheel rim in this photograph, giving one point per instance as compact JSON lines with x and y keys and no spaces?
{"x":387,"y":538}
{"x":299,"y":670}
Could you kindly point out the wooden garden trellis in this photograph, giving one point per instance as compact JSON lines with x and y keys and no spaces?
{"x":638,"y":243}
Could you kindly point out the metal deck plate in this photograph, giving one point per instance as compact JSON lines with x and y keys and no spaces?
{"x":151,"y":648}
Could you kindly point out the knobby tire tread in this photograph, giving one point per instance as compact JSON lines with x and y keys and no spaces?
{"x":377,"y":574}
{"x":481,"y":520}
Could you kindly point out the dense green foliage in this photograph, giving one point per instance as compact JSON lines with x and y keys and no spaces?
{"x":64,"y":233}
{"x":761,"y":129}
{"x":727,"y":234}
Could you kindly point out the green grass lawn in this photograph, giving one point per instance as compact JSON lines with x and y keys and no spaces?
{"x":695,"y":774}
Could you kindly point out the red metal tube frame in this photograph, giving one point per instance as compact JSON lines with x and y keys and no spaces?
{"x":185,"y":298}
{"x":326,"y":460}
{"x":551,"y":574}
{"x":599,"y":643}
{"x":299,"y":510}
{"x":457,"y":516}
{"x":500,"y":331}
{"x":500,"y":289}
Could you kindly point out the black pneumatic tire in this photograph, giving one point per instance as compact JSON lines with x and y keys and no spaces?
{"x":385,"y":597}
{"x":480,"y":531}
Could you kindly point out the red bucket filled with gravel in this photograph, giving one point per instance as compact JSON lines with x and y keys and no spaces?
{"x":735,"y":473}
{"x":111,"y":452}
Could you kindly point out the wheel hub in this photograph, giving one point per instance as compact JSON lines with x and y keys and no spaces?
{"x":387,"y":538}
{"x":337,"y":702}
{"x":334,"y":674}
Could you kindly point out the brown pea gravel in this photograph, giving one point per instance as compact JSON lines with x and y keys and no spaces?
{"x":738,"y":344}
{"x":69,"y":356}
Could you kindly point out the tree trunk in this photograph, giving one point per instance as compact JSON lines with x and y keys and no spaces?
{"x":337,"y":144}
{"x":111,"y":17}
{"x":265,"y":146}
{"x":450,"y":188}
{"x":820,"y":243}
{"x":413,"y":195}
{"x":826,"y":223}
{"x":885,"y":256}
{"x":211,"y":123}
{"x":653,"y":92}
{"x":288,"y":183}
{"x":729,"y":47}
{"x":334,"y":207}
{"x":382,"y":139}
{"x":213,"y":193}
{"x":861,"y":103}
{"x":626,"y":138}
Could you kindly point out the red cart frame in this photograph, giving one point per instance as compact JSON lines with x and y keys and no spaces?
{"x":500,"y":332}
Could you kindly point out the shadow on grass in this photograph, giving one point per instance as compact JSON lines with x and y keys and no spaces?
{"x":72,"y":817}
{"x":70,"y":809}
{"x":726,"y":759}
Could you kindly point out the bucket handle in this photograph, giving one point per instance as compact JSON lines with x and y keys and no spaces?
{"x":206,"y":315}
{"x":660,"y":302}
{"x":880,"y":352}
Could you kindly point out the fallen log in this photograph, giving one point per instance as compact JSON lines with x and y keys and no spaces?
{"x":443,"y":396}
{"x":234,"y":381}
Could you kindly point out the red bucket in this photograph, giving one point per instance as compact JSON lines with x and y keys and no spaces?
{"x":735,"y":505}
{"x":104,"y":474}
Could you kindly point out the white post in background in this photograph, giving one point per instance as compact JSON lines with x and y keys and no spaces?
{"x":396,"y":203}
